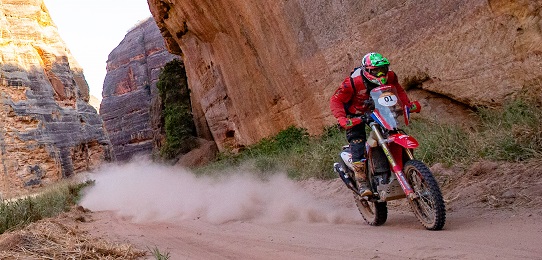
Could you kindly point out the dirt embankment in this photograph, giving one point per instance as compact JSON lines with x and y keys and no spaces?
{"x":494,"y":211}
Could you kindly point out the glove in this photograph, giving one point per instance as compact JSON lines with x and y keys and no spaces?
{"x":348,"y":123}
{"x":415,"y":107}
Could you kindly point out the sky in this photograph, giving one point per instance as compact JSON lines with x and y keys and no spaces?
{"x":91,"y":29}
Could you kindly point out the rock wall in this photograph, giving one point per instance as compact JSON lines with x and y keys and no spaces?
{"x":130,"y":104}
{"x":48,"y":131}
{"x":256,"y":67}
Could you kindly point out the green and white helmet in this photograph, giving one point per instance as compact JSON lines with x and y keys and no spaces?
{"x":375,"y":68}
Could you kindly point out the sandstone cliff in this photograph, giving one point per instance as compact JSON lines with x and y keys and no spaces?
{"x":130,"y":106}
{"x":94,"y":102}
{"x":48,"y":130}
{"x":255,"y":67}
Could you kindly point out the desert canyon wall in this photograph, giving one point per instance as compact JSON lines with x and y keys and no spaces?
{"x":256,"y":67}
{"x":48,"y":131}
{"x":130,"y":104}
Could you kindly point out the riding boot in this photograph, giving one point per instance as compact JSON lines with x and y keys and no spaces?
{"x":361,"y":177}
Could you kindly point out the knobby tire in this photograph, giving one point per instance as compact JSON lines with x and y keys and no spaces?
{"x":429,"y":205}
{"x":374,"y":213}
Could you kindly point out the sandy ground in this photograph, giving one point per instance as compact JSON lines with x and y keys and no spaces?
{"x":467,"y":236}
{"x":493,"y":212}
{"x":241,"y":217}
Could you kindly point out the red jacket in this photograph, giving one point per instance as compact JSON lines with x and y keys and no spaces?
{"x":345,"y":93}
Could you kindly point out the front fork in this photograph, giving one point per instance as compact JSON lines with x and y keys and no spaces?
{"x":397,"y":170}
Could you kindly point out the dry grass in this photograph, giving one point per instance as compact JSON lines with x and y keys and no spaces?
{"x":61,"y":238}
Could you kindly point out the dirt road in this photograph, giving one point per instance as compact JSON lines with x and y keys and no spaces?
{"x":467,"y":236}
{"x":230,"y":219}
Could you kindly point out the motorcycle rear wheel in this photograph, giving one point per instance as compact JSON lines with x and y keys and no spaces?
{"x":374,"y":213}
{"x":428,"y":206}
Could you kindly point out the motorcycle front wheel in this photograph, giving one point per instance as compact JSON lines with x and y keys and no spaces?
{"x":428,"y":206}
{"x":374,"y":213}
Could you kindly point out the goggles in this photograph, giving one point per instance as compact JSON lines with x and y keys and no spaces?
{"x":378,"y":71}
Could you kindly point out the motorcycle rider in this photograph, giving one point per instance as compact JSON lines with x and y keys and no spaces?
{"x":352,"y":99}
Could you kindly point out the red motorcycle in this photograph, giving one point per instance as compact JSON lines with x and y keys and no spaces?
{"x":392,"y":171}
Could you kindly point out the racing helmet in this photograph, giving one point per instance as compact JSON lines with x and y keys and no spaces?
{"x":375,"y":68}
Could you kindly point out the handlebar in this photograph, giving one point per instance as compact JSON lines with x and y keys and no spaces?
{"x":366,"y":118}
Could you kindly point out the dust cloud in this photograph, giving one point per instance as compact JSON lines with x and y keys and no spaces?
{"x":146,"y":191}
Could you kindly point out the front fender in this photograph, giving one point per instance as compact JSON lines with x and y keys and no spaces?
{"x":404,"y":140}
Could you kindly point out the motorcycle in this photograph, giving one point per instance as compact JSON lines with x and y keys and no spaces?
{"x":392,"y":170}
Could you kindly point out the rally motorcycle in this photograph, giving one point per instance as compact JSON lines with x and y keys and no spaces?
{"x":392,"y":171}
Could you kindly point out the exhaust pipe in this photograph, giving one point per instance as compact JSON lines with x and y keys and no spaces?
{"x":350,"y":183}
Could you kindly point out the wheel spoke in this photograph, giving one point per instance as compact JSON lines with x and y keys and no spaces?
{"x":424,"y":203}
{"x":367,"y":207}
{"x":374,"y":213}
{"x":428,"y":206}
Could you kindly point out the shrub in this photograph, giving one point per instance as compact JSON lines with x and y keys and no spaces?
{"x":291,"y":151}
{"x":283,"y":141}
{"x":512,"y":133}
{"x":21,"y":212}
{"x":443,"y":143}
{"x":179,"y":127}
